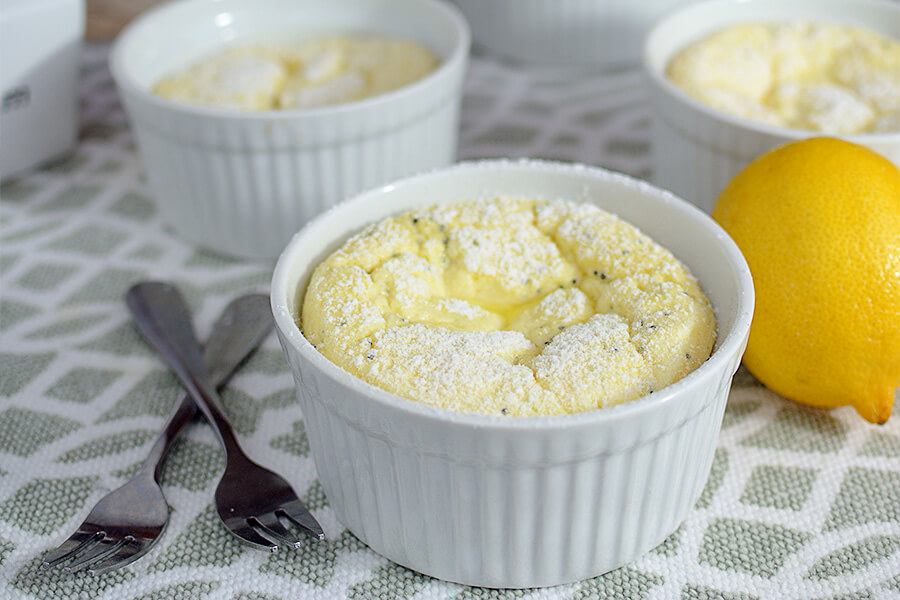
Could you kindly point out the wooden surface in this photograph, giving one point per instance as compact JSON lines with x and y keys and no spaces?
{"x":105,"y":18}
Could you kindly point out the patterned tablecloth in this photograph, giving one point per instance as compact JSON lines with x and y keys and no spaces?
{"x":800,"y":503}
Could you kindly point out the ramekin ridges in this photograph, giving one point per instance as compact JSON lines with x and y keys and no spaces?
{"x":696,"y":150}
{"x":596,"y":33}
{"x":241,"y":182}
{"x":499,"y":502}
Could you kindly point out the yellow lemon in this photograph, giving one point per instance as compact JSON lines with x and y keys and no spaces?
{"x":818,"y":221}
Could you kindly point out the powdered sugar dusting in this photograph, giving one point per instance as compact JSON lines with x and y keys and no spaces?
{"x":509,"y":306}
{"x":833,"y":78}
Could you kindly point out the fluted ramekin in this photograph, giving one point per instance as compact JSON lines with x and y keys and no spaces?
{"x":696,"y":149}
{"x":515,"y":502}
{"x":594,"y":33}
{"x":243,"y":182}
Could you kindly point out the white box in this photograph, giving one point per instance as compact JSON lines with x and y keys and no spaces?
{"x":40,"y":59}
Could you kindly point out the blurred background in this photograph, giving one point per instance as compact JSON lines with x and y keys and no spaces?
{"x":106,"y":17}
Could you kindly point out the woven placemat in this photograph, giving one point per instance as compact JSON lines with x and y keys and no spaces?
{"x":800,"y":503}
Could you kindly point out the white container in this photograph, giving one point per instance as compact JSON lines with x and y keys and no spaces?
{"x":595,"y":33}
{"x":242,"y":183}
{"x":696,"y":150}
{"x":516,"y":502}
{"x":40,"y":61}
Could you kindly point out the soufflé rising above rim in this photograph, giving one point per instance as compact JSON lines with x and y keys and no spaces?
{"x":509,"y":306}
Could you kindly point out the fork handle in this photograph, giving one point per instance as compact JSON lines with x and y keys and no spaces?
{"x":243,"y":325}
{"x":166,"y":438}
{"x":162,"y":315}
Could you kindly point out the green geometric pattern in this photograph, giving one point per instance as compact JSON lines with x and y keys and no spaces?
{"x":799,"y":429}
{"x":18,"y":370}
{"x":44,"y":277}
{"x":882,"y":444}
{"x":190,"y":589}
{"x":121,"y":340}
{"x":65,"y":327}
{"x":312,"y":564}
{"x":108,"y":444}
{"x":104,"y":287}
{"x":799,"y":503}
{"x":12,"y":312}
{"x":5,"y":549}
{"x":856,"y":557}
{"x":82,"y":384}
{"x":23,"y":431}
{"x":254,"y":596}
{"x":32,"y":581}
{"x":621,"y":583}
{"x":134,"y":206}
{"x":221,"y":550}
{"x":43,"y":505}
{"x":779,"y":487}
{"x":387,"y":580}
{"x":295,"y":442}
{"x":866,"y":496}
{"x":89,"y":240}
{"x":193,"y":465}
{"x":157,"y":394}
{"x":692,"y":592}
{"x":750,"y":547}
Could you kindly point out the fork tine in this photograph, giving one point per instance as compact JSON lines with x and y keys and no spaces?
{"x":297,"y":513}
{"x":250,"y":536}
{"x":99,"y":552}
{"x":269,"y":526}
{"x":125,"y":555}
{"x":74,"y":545}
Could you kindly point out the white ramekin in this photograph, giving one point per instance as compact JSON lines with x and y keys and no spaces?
{"x":595,"y":33}
{"x":515,"y":502}
{"x":241,"y":182}
{"x":696,"y":150}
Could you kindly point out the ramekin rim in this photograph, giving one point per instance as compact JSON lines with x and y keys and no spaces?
{"x":662,"y":83}
{"x":724,"y":352}
{"x":445,"y":69}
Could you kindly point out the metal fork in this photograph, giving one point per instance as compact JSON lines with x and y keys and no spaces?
{"x":254,"y":503}
{"x":128,"y":521}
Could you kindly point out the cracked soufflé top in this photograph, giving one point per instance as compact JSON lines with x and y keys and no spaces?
{"x":509,"y":306}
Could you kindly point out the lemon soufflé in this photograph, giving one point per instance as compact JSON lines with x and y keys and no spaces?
{"x":833,"y":78}
{"x":321,"y":71}
{"x":509,"y":306}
